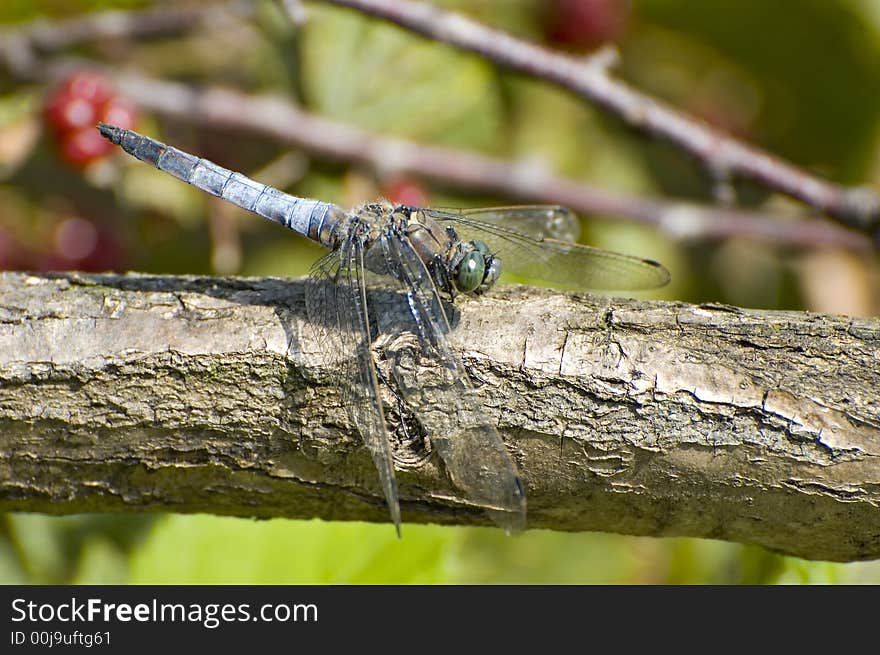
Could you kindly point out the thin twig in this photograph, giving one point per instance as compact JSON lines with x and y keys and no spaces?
{"x":48,"y":36}
{"x":22,"y":46}
{"x":857,"y":207}
{"x":284,"y":122}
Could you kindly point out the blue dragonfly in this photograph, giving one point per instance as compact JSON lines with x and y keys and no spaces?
{"x":424,"y":257}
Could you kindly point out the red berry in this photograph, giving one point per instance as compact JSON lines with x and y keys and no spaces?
{"x":74,"y":108}
{"x":586,"y":23}
{"x":109,"y":253}
{"x":75,"y":238}
{"x":119,"y":111}
{"x":12,"y":254}
{"x":84,"y":146}
{"x":405,"y":191}
{"x":78,"y":243}
{"x":77,"y":102}
{"x":91,"y":86}
{"x":91,"y":247}
{"x":67,"y":112}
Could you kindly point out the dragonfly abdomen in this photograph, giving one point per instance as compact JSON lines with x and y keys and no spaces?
{"x":301,"y":215}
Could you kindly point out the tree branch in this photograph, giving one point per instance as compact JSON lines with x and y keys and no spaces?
{"x":148,"y":393}
{"x":21,"y":46}
{"x":720,"y":154}
{"x":53,"y":35}
{"x":282,"y":121}
{"x":279,"y":119}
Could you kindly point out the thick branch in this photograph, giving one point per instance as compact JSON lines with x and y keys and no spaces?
{"x":201,"y":395}
{"x":720,"y":153}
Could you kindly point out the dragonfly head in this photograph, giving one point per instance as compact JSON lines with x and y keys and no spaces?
{"x":475,"y":269}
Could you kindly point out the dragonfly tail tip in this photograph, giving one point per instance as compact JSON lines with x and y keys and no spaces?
{"x":110,"y":132}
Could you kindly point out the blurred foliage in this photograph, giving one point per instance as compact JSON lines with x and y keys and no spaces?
{"x":814,"y":104}
{"x":22,"y":10}
{"x":346,"y":78}
{"x":796,"y":76}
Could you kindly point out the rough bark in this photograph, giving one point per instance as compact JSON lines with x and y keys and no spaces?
{"x":149,"y":393}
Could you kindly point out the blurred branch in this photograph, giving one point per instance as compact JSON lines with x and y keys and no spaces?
{"x":22,"y":46}
{"x":279,"y":119}
{"x":284,"y":122}
{"x":48,"y":36}
{"x":148,"y":393}
{"x":721,"y":154}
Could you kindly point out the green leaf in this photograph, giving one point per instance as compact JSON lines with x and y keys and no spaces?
{"x":386,"y":80}
{"x":215,"y":550}
{"x":101,"y":562}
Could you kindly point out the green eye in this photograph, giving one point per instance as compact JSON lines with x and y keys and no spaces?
{"x":470,"y":272}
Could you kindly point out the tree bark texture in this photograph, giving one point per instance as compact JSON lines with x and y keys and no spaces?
{"x":158,"y":393}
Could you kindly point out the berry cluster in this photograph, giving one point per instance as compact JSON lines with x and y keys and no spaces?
{"x":74,"y":108}
{"x":68,"y":242}
{"x":585,"y":24}
{"x":405,"y":191}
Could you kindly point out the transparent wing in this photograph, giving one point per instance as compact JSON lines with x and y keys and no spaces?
{"x":536,"y":221}
{"x":336,"y":303}
{"x":526,"y":240}
{"x":434,"y":384}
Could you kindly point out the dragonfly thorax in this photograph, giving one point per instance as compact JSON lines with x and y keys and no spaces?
{"x":456,"y":265}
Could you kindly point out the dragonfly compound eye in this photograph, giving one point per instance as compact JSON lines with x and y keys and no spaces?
{"x":470,"y":272}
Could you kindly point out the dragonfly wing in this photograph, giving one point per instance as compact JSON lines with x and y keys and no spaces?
{"x":545,"y":259}
{"x":434,"y":384}
{"x":536,"y":221}
{"x":336,"y":303}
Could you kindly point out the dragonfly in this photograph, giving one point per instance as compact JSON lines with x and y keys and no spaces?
{"x":379,"y":308}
